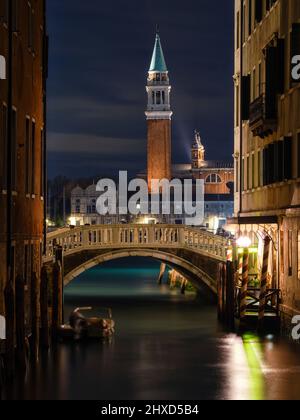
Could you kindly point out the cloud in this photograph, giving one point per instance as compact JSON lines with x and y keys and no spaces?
{"x":85,"y":143}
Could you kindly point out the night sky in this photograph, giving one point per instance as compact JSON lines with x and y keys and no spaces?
{"x":100,"y":52}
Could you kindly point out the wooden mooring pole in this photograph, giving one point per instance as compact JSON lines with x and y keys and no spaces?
{"x":161,"y":273}
{"x":35,"y":316}
{"x":9,"y":296}
{"x":57,"y":309}
{"x":245,"y":281}
{"x":20,"y":323}
{"x":263,"y":284}
{"x":44,"y":309}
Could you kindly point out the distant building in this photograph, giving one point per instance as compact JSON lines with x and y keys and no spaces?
{"x":218,"y":177}
{"x":23,"y":43}
{"x":84,"y":211}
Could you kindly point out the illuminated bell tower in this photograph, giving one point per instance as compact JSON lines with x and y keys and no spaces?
{"x":159,"y":116}
{"x":198,"y":152}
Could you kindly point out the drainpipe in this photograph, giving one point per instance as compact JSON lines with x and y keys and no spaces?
{"x":45,"y":75}
{"x":240,"y":105}
{"x":9,"y":295}
{"x":9,"y":140}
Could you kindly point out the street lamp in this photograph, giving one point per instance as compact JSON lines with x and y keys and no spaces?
{"x":244,"y":242}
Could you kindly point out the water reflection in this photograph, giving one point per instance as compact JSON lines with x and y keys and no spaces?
{"x":167,"y":346}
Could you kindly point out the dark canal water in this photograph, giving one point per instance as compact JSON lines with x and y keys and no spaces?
{"x":166,"y":346}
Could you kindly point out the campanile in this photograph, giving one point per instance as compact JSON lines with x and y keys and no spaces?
{"x":159,"y":116}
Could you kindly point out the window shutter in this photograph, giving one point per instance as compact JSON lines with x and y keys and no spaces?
{"x":280,"y":65}
{"x":280,"y":160}
{"x":258,"y":10}
{"x":271,"y":82}
{"x":295,"y":44}
{"x":271,"y":163}
{"x":246,"y":87}
{"x":287,"y":158}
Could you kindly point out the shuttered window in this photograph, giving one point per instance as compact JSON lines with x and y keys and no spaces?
{"x":246,"y":83}
{"x":258,"y":10}
{"x":295,"y":46}
{"x":287,"y":158}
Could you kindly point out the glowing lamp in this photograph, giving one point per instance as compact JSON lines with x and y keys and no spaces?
{"x":244,"y":242}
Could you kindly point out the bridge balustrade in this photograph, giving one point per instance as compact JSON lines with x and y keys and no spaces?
{"x":151,"y":236}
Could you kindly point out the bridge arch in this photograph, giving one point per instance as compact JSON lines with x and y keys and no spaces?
{"x":199,"y":278}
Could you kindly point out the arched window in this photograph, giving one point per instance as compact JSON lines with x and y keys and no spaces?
{"x":213,"y":179}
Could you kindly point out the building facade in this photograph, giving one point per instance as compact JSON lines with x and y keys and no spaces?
{"x":267,"y":136}
{"x":84,"y":210}
{"x":218,"y":179}
{"x":23,"y":44}
{"x":158,"y":116}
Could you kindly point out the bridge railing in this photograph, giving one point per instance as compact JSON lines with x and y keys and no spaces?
{"x":151,"y":236}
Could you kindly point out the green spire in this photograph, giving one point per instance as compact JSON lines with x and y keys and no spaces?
{"x":158,"y":62}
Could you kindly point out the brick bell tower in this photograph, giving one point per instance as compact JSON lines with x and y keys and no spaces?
{"x":159,"y":116}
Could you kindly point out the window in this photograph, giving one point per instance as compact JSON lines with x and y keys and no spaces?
{"x":298,"y":154}
{"x":15,"y":15}
{"x":254,"y":85}
{"x":248,"y":173}
{"x":26,"y":264}
{"x":4,"y":11}
{"x":27,"y":156}
{"x":237,"y":176}
{"x":42,"y":164}
{"x":244,"y":26}
{"x":77,"y":206}
{"x":287,"y":151}
{"x":258,"y":11}
{"x":259,"y":169}
{"x":243,"y":174}
{"x":282,"y":264}
{"x":295,"y":49}
{"x":238,"y":30}
{"x":249,"y":17}
{"x":3,"y":147}
{"x":32,"y":261}
{"x":14,"y":149}
{"x":298,"y":255}
{"x":237,"y":106}
{"x":253,"y":170}
{"x":213,"y":179}
{"x":33,"y":146}
{"x":245,"y":105}
{"x":259,"y":79}
{"x":158,"y":98}
{"x":30,"y":27}
{"x":290,"y":252}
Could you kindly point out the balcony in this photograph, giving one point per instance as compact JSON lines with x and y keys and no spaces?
{"x":263,"y":117}
{"x":152,"y":82}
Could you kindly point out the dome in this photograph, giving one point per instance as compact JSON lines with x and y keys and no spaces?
{"x":77,"y":191}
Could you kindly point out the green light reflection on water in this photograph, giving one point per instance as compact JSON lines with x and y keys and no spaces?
{"x":254,"y":354}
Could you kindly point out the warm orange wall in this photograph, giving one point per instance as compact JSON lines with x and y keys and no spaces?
{"x":27,"y":83}
{"x":226,"y":176}
{"x":159,"y":149}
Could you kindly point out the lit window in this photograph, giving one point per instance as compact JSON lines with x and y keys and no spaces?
{"x":213,"y":179}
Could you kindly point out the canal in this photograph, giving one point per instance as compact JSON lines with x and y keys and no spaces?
{"x":166,"y":346}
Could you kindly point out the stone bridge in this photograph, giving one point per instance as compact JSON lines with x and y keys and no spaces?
{"x":192,"y":252}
